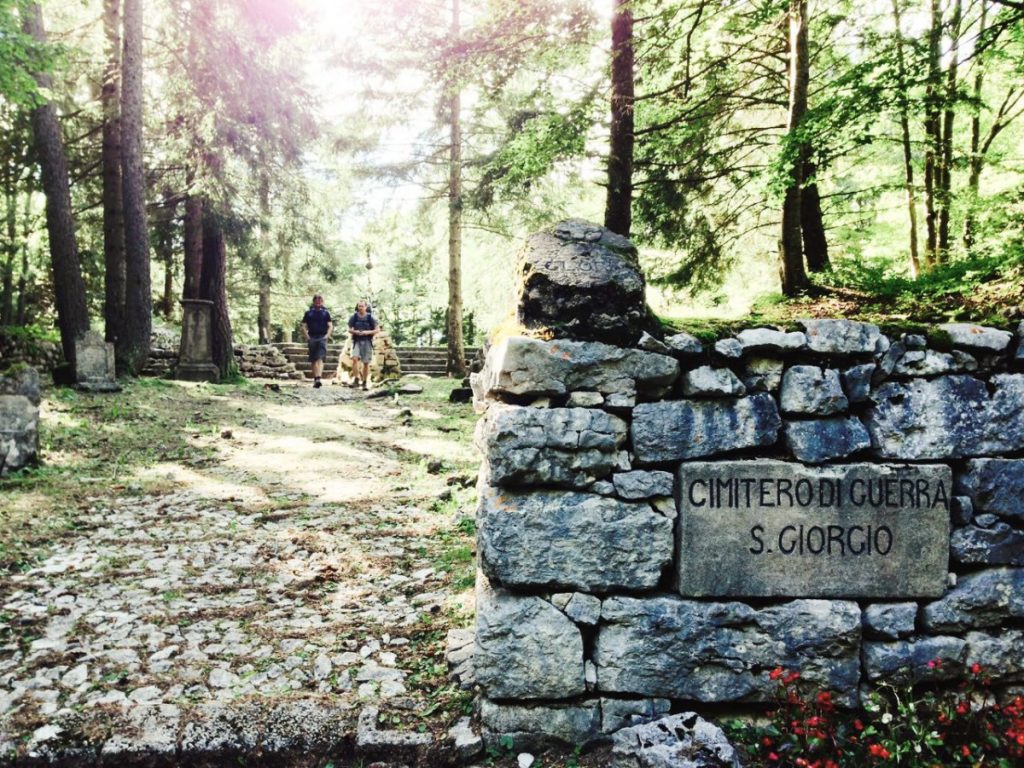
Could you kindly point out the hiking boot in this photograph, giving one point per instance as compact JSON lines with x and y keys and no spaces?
{"x":364,"y":385}
{"x":317,"y":384}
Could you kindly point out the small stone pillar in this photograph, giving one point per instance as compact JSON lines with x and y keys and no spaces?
{"x":195,"y":354}
{"x":19,"y":417}
{"x":94,"y":364}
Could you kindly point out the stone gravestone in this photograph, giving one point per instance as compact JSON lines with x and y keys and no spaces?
{"x":581,"y":281}
{"x":195,"y":354}
{"x":19,"y":417}
{"x":94,"y":364}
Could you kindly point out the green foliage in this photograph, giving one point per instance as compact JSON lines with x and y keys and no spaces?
{"x":918,"y":729}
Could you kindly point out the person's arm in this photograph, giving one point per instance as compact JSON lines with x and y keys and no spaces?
{"x":330,"y":328}
{"x":305,"y":329}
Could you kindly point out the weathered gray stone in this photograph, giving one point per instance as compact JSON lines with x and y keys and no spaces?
{"x":623,"y":713}
{"x":650,"y":344}
{"x":913,"y":661}
{"x":915,"y":341}
{"x":780,"y":529}
{"x":94,"y":363}
{"x":998,"y":544}
{"x":525,"y":647}
{"x":820,"y":440}
{"x":22,"y":380}
{"x":561,"y":538}
{"x":811,"y":390}
{"x":531,"y":727}
{"x":977,"y":336}
{"x":467,"y":743}
{"x":995,"y":486}
{"x":712,"y":382}
{"x":524,"y":366}
{"x":683,"y":429}
{"x":841,"y":336}
{"x":857,"y":382}
{"x":888,"y":361}
{"x":771,"y":339}
{"x":1019,"y":355}
{"x":890,"y":621}
{"x":702,"y":651}
{"x":581,"y":281}
{"x":564,"y":447}
{"x":581,"y":608}
{"x":999,"y":656}
{"x":962,"y":509}
{"x":985,"y":599}
{"x":763,"y":374}
{"x":684,"y":343}
{"x":585,"y":400}
{"x":947,"y":417}
{"x":685,"y":740}
{"x":195,"y":352}
{"x":729,"y":348}
{"x":928,"y":362}
{"x":640,"y":484}
{"x":19,"y":432}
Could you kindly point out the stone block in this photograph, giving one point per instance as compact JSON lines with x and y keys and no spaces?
{"x":928,"y":362}
{"x":998,"y":544}
{"x":891,"y":621}
{"x":821,"y":440}
{"x":683,"y":343}
{"x":841,"y":336}
{"x":999,"y":655}
{"x":566,"y":539}
{"x":984,"y":599}
{"x":563,"y":447}
{"x":640,"y":484}
{"x":771,"y":339}
{"x":977,"y":337}
{"x":731,"y":349}
{"x":533,"y":727}
{"x":683,"y":429}
{"x":525,"y":647}
{"x":908,"y":662}
{"x":724,"y":652}
{"x":995,"y":486}
{"x":94,"y":363}
{"x":763,"y":374}
{"x":712,"y":382}
{"x":780,"y":529}
{"x":807,"y":389}
{"x":581,"y":281}
{"x":948,"y":417}
{"x":530,"y":367}
{"x":19,"y":430}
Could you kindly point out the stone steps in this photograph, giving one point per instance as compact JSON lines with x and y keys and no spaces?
{"x":428,"y":361}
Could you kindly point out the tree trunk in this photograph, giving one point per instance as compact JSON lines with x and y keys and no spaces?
{"x":812,"y":224}
{"x":138,"y":316}
{"x":974,"y":177}
{"x":618,"y":211}
{"x":456,"y":363}
{"x":908,"y":154}
{"x":266,"y":280}
{"x":794,"y":277}
{"x":68,"y":285}
{"x":113,"y":211}
{"x":945,"y":176}
{"x":193,"y":237}
{"x":26,"y":224}
{"x":163,"y":247}
{"x":11,"y":247}
{"x":933,"y":139}
{"x":263,"y":318}
{"x":213,"y":287}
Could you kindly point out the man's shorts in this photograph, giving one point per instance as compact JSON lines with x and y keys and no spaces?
{"x":362,"y":350}
{"x":318,"y":349}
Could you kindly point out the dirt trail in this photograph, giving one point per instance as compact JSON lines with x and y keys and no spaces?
{"x":288,"y":559}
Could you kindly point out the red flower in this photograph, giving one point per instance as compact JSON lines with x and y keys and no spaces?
{"x":858,"y":725}
{"x":792,"y":677}
{"x":767,"y":741}
{"x":965,"y":751}
{"x":775,"y":674}
{"x":975,"y":668}
{"x":962,"y":708}
{"x":773,"y":757}
{"x":877,"y":750}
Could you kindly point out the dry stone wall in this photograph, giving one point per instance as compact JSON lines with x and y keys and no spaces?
{"x":660,"y":526}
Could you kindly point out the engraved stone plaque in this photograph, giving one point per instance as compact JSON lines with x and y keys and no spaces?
{"x":782,"y":529}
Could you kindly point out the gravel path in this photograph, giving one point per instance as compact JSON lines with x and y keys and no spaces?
{"x":245,"y":605}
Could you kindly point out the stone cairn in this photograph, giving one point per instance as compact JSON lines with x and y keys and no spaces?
{"x":385,"y":364}
{"x":264,"y":361}
{"x":19,"y":417}
{"x":664,"y":522}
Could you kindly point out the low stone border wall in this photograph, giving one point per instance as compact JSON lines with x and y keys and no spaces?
{"x":664,"y":525}
{"x":19,"y":417}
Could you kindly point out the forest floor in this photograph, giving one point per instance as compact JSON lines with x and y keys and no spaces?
{"x":200,"y":569}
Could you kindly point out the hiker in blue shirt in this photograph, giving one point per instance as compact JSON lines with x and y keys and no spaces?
{"x":363,"y":328}
{"x":317,"y":327}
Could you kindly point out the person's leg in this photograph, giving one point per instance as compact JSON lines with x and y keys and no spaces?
{"x":366,"y":374}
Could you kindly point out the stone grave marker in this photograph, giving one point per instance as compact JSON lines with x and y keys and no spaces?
{"x":19,"y":417}
{"x":94,"y":364}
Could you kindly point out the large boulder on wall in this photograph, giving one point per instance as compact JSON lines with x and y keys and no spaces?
{"x":578,"y":280}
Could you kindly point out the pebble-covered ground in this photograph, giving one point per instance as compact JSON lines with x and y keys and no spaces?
{"x":311,"y":549}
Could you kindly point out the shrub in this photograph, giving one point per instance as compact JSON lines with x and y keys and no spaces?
{"x":906,"y":727}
